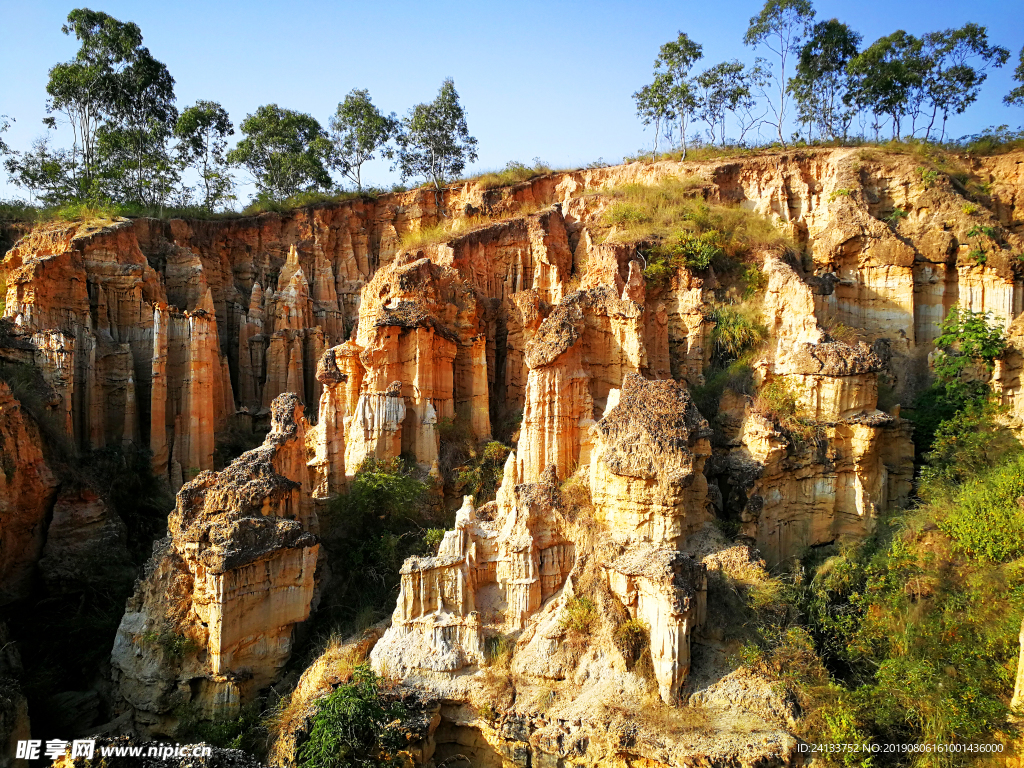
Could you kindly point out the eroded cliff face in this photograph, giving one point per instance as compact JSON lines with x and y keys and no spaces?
{"x":162,"y":333}
{"x":212,"y":621}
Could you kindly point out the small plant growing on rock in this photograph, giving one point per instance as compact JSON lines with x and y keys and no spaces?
{"x":969,"y":208}
{"x":736,"y":330}
{"x":178,"y":646}
{"x":633,"y":639}
{"x":578,"y":616}
{"x":499,"y":650}
{"x":754,"y":281}
{"x":928,"y":176}
{"x":432,"y":540}
{"x":895,"y":216}
{"x":837,"y":193}
{"x":776,"y":401}
{"x":977,"y":233}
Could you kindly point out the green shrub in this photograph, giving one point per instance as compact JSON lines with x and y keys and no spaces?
{"x":626,"y":214}
{"x":895,"y":216}
{"x":986,"y":519}
{"x":754,"y":281}
{"x":432,"y":540}
{"x":632,"y":637}
{"x":498,"y":650}
{"x":736,"y":331}
{"x":356,"y":726}
{"x":776,"y":401}
{"x":368,"y":534}
{"x":837,"y":193}
{"x":736,"y":375}
{"x":246,"y":731}
{"x":579,"y":614}
{"x":965,"y":445}
{"x":928,"y":176}
{"x":967,"y":338}
{"x":969,"y":341}
{"x":264,"y":203}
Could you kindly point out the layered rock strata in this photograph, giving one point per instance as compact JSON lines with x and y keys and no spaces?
{"x":213,"y":620}
{"x":838,"y":462}
{"x":157,"y":333}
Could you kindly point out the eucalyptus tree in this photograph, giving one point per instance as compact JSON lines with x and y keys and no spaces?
{"x":654,"y":105}
{"x":888,"y":79}
{"x":48,"y":174}
{"x":119,"y":102}
{"x":5,"y":123}
{"x":286,"y":152}
{"x":727,"y":87}
{"x":822,"y":84}
{"x":780,"y":27}
{"x":359,"y":130}
{"x":202,"y":132}
{"x":956,"y":61}
{"x":1016,"y":96}
{"x":675,"y":60}
{"x":434,"y":141}
{"x":133,"y":142}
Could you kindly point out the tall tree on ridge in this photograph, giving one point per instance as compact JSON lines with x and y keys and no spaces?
{"x":779,"y":27}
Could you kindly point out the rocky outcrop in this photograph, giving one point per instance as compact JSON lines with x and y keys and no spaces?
{"x":159,"y":333}
{"x":488,"y":576}
{"x":646,"y":470}
{"x":825,"y":472}
{"x":27,"y":491}
{"x":213,"y":620}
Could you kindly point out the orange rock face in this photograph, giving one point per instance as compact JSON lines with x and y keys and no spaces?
{"x":27,"y":491}
{"x":530,"y":325}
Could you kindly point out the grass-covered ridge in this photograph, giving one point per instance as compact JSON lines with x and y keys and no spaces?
{"x":680,"y":229}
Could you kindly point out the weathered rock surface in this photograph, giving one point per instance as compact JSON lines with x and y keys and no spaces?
{"x":213,"y":620}
{"x":155,"y":333}
{"x":27,"y":491}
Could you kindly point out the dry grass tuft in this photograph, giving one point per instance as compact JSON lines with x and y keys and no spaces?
{"x":513,"y":173}
{"x":458,"y":226}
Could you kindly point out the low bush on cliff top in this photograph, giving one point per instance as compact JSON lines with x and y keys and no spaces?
{"x":513,"y":173}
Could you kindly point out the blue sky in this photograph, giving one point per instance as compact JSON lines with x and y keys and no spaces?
{"x":538,"y":79}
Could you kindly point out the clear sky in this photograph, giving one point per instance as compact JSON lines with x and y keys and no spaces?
{"x":552,"y":80}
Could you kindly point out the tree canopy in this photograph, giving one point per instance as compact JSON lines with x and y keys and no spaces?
{"x":286,"y":152}
{"x":1016,"y":96}
{"x":202,"y":131}
{"x":822,"y":84}
{"x":359,"y":130}
{"x":434,"y":142}
{"x":779,"y":27}
{"x":671,"y":96}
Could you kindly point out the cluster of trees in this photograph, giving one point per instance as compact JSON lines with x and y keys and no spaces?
{"x":819,"y":76}
{"x":131,"y":145}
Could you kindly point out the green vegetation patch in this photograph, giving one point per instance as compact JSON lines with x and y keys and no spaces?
{"x":357,"y":726}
